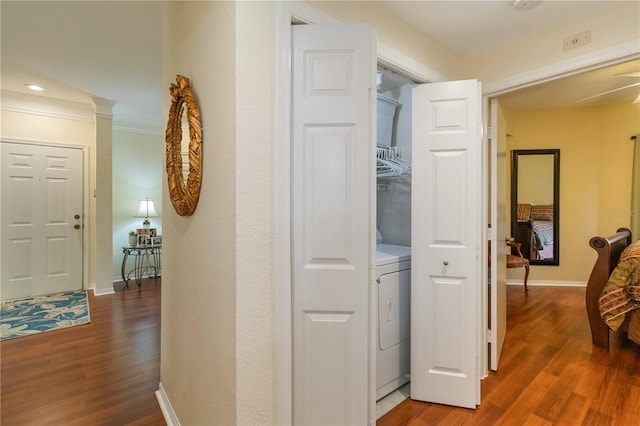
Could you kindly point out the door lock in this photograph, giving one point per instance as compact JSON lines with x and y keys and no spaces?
{"x":76,"y":217}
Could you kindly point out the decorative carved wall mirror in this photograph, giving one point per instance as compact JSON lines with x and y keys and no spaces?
{"x":535,"y":207}
{"x":184,"y":194}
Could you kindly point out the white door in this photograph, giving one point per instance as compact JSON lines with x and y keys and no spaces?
{"x":41,"y":208}
{"x":447,"y":232}
{"x":498,"y":329}
{"x":333,"y":71}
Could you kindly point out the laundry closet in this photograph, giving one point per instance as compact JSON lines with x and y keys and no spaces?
{"x":393,"y":233}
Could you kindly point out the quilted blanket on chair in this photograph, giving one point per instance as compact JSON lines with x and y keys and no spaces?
{"x":621,"y":295}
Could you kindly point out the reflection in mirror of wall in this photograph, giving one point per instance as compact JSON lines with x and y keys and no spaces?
{"x":535,"y":185}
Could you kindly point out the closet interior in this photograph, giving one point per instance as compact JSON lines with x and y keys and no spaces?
{"x":393,"y":234}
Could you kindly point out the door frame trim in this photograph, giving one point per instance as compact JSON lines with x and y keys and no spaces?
{"x":85,"y":194}
{"x":288,"y":13}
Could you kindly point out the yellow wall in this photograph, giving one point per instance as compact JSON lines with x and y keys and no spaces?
{"x":535,"y":183}
{"x":617,"y":124}
{"x":595,"y":176}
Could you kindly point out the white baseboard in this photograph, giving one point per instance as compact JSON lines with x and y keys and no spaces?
{"x":119,"y":279}
{"x":102,"y":291}
{"x":544,"y":283}
{"x":165,"y":405}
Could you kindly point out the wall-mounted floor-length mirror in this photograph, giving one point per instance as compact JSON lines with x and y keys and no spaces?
{"x":535,"y":192}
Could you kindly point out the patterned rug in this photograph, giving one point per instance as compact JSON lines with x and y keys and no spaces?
{"x":24,"y":317}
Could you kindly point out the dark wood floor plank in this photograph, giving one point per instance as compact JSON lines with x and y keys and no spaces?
{"x":102,"y":373}
{"x":549,"y":372}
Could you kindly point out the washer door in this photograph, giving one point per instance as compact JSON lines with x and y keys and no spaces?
{"x":394,"y":308}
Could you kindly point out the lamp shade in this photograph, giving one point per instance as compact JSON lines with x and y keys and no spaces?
{"x":146,"y":209}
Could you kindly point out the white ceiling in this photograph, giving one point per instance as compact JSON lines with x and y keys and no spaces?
{"x":76,"y":50}
{"x":113,"y":50}
{"x":474,"y":28}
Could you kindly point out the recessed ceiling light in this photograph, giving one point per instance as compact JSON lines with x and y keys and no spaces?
{"x":34,"y":87}
{"x":526,"y":4}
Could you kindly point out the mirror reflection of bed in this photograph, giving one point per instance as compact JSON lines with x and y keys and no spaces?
{"x":535,"y":225}
{"x":535,"y":213}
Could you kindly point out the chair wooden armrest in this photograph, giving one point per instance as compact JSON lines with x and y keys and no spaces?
{"x":518,"y":261}
{"x":517,"y":247}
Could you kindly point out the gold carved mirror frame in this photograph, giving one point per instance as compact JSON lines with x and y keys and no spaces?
{"x":184,"y":195}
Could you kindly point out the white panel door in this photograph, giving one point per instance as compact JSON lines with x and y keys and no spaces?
{"x":333,"y":69}
{"x":41,"y":205}
{"x":498,"y":326}
{"x":446,"y":235}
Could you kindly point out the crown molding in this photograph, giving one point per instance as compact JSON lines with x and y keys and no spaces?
{"x":138,"y":124}
{"x":48,"y":107}
{"x":24,"y":103}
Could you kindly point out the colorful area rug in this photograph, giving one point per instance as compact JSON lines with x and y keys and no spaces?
{"x":32,"y":315}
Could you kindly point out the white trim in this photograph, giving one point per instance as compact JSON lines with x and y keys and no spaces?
{"x":141,"y":129}
{"x":589,"y":61}
{"x":299,"y":11}
{"x":46,"y":107}
{"x":85,"y":195}
{"x":165,"y":406}
{"x":288,"y":12}
{"x":547,"y":283}
{"x":395,"y":60}
{"x":101,"y":291}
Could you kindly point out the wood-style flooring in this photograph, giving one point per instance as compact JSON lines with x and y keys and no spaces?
{"x":102,"y":373}
{"x":106,"y":372}
{"x":549,"y":372}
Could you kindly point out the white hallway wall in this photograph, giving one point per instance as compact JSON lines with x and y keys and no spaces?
{"x":138,"y":161}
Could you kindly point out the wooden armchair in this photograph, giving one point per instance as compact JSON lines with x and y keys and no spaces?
{"x":519,"y":261}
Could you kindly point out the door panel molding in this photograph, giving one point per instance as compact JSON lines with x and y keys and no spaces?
{"x":85,"y":192}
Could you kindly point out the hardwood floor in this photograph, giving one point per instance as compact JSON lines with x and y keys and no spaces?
{"x":106,"y":372}
{"x":549,"y":372}
{"x":102,"y":373}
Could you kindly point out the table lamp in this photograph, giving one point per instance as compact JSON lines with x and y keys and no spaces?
{"x":146,"y":210}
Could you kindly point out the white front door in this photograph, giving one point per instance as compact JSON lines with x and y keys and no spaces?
{"x":498,"y":327}
{"x":333,"y":71}
{"x":446,"y":235}
{"x":41,"y":224}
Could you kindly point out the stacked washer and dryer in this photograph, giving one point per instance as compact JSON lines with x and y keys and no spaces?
{"x":393,"y":249}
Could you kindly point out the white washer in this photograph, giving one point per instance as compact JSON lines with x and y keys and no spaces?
{"x":393,"y":269}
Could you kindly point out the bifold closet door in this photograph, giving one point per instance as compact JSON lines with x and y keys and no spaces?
{"x":333,"y":69}
{"x":446,"y":234}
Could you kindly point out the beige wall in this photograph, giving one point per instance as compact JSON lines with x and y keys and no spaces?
{"x":618,"y":26}
{"x":595,"y":176}
{"x":396,"y":34}
{"x":138,"y":161}
{"x":198,"y":335}
{"x":613,"y":28}
{"x":617,"y":124}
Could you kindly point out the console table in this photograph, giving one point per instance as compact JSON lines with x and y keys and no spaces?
{"x":146,"y":262}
